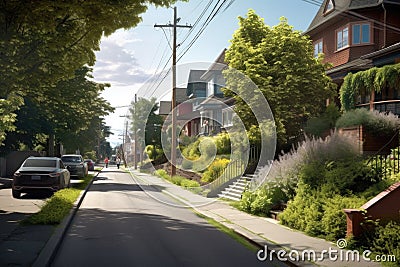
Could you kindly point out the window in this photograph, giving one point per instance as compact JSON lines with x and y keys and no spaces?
{"x":50,"y":163}
{"x":342,"y":38}
{"x":329,"y":7}
{"x":318,"y":48}
{"x":361,"y":33}
{"x":227,"y":117}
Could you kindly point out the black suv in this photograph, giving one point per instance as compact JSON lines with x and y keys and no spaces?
{"x":75,"y":165}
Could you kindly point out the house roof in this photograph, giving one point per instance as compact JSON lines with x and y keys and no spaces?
{"x":165,"y":108}
{"x":381,"y":195}
{"x":382,"y":52}
{"x":180,"y":95}
{"x":357,"y":64}
{"x":341,"y":8}
{"x":218,"y":65}
{"x":195,"y":75}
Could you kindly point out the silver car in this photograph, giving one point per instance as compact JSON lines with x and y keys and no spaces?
{"x":38,"y":173}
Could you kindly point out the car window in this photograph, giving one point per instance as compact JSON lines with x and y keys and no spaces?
{"x":62,"y":165}
{"x":40,"y":163}
{"x":71,"y":159}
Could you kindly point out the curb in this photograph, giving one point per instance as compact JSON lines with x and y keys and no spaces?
{"x":49,"y":251}
{"x":243,"y":232}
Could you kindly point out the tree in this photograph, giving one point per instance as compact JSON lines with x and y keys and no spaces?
{"x":145,"y":122}
{"x":280,"y":61}
{"x":73,"y":111}
{"x":44,"y":42}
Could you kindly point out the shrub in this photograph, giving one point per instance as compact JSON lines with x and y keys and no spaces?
{"x":223,"y":143}
{"x":319,"y":212}
{"x":262,"y":200}
{"x":176,"y":179}
{"x":189,"y":183}
{"x":317,"y":126}
{"x":339,"y":176}
{"x":187,"y":164}
{"x":214,"y":170}
{"x":375,"y":122}
{"x":161,"y":173}
{"x":154,"y":153}
{"x":207,"y":147}
{"x":387,"y":240}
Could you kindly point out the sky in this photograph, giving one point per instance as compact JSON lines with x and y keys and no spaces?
{"x":129,"y":58}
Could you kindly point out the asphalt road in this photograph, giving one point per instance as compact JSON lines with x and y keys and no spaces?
{"x":118,"y":224}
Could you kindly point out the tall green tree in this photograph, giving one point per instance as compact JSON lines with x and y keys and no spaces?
{"x":73,"y":111}
{"x":280,"y":61}
{"x":145,"y":122}
{"x":44,"y":42}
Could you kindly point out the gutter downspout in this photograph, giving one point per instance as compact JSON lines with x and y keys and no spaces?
{"x":384,"y":24}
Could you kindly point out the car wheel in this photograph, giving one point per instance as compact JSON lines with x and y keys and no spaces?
{"x":16,"y":194}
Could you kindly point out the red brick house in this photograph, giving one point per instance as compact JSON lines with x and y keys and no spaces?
{"x":356,"y":35}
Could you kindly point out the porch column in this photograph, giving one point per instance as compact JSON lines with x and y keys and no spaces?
{"x":372,"y":100}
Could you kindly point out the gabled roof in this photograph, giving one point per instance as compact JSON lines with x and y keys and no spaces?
{"x":341,"y":7}
{"x":218,"y":65}
{"x":194,"y":76}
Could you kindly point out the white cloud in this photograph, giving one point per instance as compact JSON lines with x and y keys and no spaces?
{"x":116,"y":63}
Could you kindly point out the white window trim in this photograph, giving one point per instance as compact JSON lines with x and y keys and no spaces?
{"x":317,"y":42}
{"x":348,"y":37}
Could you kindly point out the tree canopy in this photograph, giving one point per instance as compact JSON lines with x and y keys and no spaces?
{"x":73,"y":111}
{"x":280,"y":61}
{"x":44,"y":42}
{"x":145,"y":122}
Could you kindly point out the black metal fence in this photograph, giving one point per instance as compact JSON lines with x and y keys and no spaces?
{"x":386,"y":164}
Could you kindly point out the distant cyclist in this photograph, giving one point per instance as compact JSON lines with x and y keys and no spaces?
{"x":106,"y":161}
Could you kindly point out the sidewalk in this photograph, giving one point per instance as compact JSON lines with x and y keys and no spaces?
{"x":265,"y":232}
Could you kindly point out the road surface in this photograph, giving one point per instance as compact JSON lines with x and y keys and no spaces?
{"x":118,"y":224}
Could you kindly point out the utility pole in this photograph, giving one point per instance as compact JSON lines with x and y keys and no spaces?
{"x":135,"y":135}
{"x":174,"y":26}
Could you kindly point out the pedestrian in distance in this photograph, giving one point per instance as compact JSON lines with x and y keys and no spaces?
{"x":106,"y":162}
{"x":118,"y":161}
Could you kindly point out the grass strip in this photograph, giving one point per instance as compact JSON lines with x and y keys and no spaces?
{"x":229,"y":232}
{"x":59,"y":205}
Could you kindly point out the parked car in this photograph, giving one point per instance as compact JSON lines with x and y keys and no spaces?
{"x":38,"y":173}
{"x":90,"y":164}
{"x":75,"y":165}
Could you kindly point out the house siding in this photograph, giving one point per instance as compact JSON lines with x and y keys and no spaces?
{"x":328,"y":34}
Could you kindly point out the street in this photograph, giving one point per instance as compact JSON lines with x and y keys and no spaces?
{"x":118,"y":224}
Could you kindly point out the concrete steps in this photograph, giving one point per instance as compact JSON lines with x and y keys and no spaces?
{"x":235,"y":190}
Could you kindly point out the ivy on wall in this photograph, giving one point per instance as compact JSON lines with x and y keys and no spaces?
{"x":374,"y":79}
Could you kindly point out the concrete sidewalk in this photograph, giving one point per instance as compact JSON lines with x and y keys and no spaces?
{"x":293,"y":246}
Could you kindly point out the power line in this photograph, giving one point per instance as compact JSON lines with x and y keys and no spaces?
{"x":211,"y":16}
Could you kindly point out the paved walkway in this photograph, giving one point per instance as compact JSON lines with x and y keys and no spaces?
{"x":265,"y":232}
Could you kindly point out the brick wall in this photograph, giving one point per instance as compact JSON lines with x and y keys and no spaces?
{"x":328,"y":34}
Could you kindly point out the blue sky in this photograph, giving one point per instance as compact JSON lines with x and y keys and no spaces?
{"x":129,"y":57}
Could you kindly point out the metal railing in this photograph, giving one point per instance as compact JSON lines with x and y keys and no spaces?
{"x":235,"y":169}
{"x":386,"y":164}
{"x":392,"y":106}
